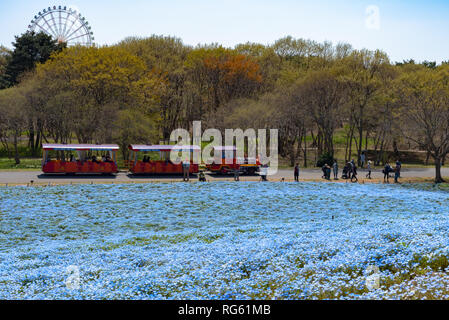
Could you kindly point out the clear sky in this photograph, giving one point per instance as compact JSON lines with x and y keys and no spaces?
{"x":403,"y":29}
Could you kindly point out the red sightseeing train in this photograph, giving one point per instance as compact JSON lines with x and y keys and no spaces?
{"x":244,"y":166}
{"x":155,"y":159}
{"x":223,"y":167}
{"x":143,"y":159}
{"x":250,"y":165}
{"x":83,"y":162}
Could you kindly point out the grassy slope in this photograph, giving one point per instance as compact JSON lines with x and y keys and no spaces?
{"x":25,"y":164}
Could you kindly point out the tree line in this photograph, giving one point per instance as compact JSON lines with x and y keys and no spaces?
{"x":140,"y":89}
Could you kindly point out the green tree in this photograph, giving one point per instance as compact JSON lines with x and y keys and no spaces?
{"x":5,"y":55}
{"x":365,"y":70}
{"x":429,"y":64}
{"x":322,"y":94}
{"x":423,"y":113}
{"x":12,"y":117}
{"x":29,"y":49}
{"x":94,"y":84}
{"x":166,"y":56}
{"x":132,"y":126}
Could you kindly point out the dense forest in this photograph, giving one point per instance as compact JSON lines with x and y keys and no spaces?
{"x":140,"y":89}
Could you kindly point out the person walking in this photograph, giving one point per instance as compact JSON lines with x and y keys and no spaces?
{"x":323,"y":168}
{"x":354,"y":174}
{"x":362,"y":159}
{"x":351,"y":168}
{"x":335,"y":169}
{"x":386,"y":172}
{"x":296,"y":172}
{"x":346,"y":171}
{"x":368,"y":175}
{"x":399,"y":164}
{"x":397,"y":172}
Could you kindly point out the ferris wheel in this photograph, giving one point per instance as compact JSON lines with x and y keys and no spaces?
{"x":64,"y":25}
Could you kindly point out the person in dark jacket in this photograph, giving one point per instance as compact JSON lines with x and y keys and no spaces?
{"x":296,"y":172}
{"x":347,"y":171}
{"x":386,"y":171}
{"x":397,"y":171}
{"x":201,"y":176}
{"x":328,"y":172}
{"x":323,"y":168}
{"x":354,"y":173}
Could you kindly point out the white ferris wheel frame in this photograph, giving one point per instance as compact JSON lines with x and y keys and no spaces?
{"x":64,"y":24}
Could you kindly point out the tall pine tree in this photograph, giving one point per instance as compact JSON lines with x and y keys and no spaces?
{"x":29,"y":49}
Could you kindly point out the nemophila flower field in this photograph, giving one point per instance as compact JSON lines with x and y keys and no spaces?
{"x":224,"y":241}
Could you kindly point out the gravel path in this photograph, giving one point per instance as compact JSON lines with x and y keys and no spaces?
{"x":24,"y":177}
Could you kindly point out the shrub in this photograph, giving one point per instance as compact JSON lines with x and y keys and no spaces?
{"x":325,"y":158}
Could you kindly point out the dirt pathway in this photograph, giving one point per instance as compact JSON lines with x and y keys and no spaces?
{"x":25,"y":177}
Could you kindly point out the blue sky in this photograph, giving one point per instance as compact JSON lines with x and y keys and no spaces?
{"x":406,"y":29}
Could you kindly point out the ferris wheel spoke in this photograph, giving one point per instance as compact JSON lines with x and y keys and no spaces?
{"x":58,"y":26}
{"x":65,"y":24}
{"x":71,"y":26}
{"x":82,"y":35}
{"x":60,"y":23}
{"x":52,"y":31}
{"x":46,"y":31}
{"x":50,"y":27}
{"x":54,"y":23}
{"x":55,"y":26}
{"x":68,"y":37}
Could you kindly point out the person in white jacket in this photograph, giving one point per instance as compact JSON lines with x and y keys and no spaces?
{"x":368,"y":175}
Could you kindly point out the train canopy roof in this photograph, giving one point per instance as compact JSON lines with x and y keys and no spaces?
{"x":160,"y":147}
{"x":99,"y":147}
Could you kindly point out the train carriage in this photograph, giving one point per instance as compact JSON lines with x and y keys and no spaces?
{"x":249,"y":166}
{"x":244,"y":166}
{"x":155,"y":159}
{"x":80,"y":158}
{"x":222,"y":167}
